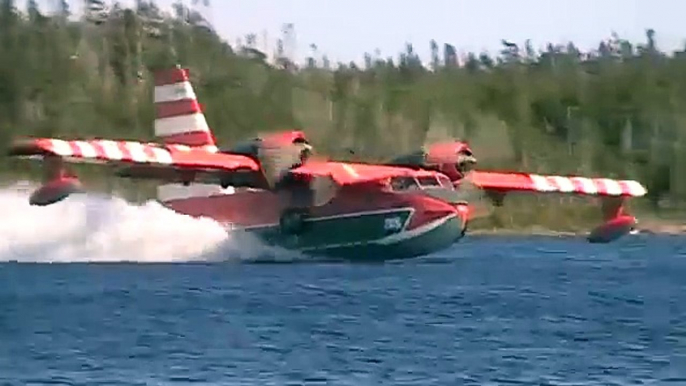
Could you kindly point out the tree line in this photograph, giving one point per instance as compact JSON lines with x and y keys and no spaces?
{"x":618,"y":111}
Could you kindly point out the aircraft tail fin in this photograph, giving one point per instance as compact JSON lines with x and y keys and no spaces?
{"x":179,"y":119}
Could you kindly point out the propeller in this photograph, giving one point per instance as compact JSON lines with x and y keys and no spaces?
{"x":277,"y":159}
{"x":440,"y":145}
{"x":479,"y":203}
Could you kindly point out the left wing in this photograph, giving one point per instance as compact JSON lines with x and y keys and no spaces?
{"x":130,"y":153}
{"x":526,"y":182}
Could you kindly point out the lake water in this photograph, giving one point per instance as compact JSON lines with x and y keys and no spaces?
{"x":490,"y":311}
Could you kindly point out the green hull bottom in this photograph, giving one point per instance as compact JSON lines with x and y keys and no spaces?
{"x":372,"y":237}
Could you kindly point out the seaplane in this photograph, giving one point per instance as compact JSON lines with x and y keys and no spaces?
{"x":276,"y":187}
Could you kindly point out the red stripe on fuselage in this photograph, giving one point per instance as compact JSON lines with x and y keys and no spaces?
{"x":262,"y":208}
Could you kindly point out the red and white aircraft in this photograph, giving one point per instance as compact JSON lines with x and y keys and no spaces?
{"x":273,"y":186}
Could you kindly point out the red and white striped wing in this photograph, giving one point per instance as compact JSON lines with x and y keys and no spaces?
{"x":130,"y":152}
{"x":556,"y":184}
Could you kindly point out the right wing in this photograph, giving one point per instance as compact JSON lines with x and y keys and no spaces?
{"x":535,"y":183}
{"x":612,"y":193}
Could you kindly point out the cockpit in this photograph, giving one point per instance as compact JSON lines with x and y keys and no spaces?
{"x":406,"y":183}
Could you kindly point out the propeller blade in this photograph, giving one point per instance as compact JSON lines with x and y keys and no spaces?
{"x":305,"y":193}
{"x":276,"y":160}
{"x":479,"y":203}
{"x":324,"y":189}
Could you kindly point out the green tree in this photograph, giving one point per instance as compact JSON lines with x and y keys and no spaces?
{"x":617,"y":111}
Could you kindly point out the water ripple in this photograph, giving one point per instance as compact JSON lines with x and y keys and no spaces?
{"x":494,"y":311}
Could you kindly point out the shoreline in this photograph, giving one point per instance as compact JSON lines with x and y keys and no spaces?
{"x":651,"y":227}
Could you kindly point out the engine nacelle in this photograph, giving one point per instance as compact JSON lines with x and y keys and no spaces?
{"x":252,"y":146}
{"x":453,"y":159}
{"x":276,"y":152}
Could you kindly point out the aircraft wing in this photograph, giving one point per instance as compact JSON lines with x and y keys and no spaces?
{"x":324,"y":177}
{"x":504,"y":182}
{"x":344,"y":173}
{"x":129,"y":153}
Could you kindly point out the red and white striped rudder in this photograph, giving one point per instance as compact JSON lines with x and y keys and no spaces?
{"x":178,"y":116}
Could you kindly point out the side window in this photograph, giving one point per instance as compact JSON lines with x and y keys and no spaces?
{"x":403,"y":183}
{"x":429,"y":181}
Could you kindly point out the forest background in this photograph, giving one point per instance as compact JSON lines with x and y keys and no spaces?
{"x":617,"y":112}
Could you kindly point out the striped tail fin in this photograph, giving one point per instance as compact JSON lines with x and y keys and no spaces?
{"x":179,"y":120}
{"x":178,"y":117}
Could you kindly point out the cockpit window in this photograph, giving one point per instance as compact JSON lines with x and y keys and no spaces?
{"x":403,"y":183}
{"x":428,"y":181}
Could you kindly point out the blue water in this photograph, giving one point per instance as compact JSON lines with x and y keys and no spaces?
{"x":490,"y":311}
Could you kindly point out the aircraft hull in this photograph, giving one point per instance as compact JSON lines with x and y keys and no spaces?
{"x":357,"y":225}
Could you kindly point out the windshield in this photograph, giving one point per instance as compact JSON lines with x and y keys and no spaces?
{"x":429,"y":181}
{"x":403,"y":183}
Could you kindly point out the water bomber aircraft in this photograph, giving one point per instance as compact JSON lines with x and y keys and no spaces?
{"x":276,"y":187}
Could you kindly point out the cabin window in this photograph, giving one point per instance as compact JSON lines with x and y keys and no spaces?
{"x":403,"y":183}
{"x":429,"y":181}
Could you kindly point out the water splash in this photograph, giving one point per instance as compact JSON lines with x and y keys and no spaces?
{"x":98,"y":228}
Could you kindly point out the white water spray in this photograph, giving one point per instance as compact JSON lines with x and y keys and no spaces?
{"x":97,"y":228}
